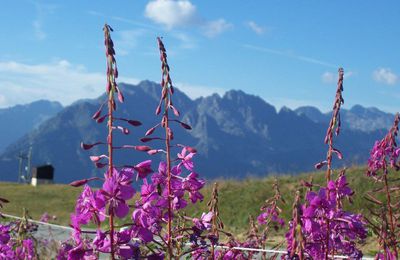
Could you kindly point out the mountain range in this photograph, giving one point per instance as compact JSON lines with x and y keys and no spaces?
{"x":21,"y":119}
{"x":237,"y":135}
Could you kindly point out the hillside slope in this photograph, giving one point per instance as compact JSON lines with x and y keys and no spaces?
{"x":237,"y":135}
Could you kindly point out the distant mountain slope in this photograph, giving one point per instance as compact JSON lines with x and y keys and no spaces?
{"x":236,"y":135}
{"x":357,"y":118}
{"x":21,"y":119}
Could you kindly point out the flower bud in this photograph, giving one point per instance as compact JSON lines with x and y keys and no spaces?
{"x":97,"y":114}
{"x":142,"y":148}
{"x":186,"y":126}
{"x":320,"y":165}
{"x":146,"y":139}
{"x":120,"y":96}
{"x":89,"y":146}
{"x":176,"y":112}
{"x":78,"y":183}
{"x":158,"y":110}
{"x":152,"y":151}
{"x":134,"y":122}
{"x":191,"y":149}
{"x":101,"y":119}
{"x":150,"y":131}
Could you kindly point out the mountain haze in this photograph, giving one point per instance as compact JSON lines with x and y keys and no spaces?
{"x":356,"y":118}
{"x":21,"y":119}
{"x":236,"y":135}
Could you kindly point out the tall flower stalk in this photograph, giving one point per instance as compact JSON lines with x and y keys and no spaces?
{"x":110,"y":201}
{"x":384,"y":156}
{"x":217,"y":223}
{"x":325,"y":228}
{"x":112,"y":74}
{"x":163,"y":198}
{"x":334,"y":128}
{"x":270,"y":216}
{"x":17,"y":239}
{"x":167,"y":91}
{"x":295,"y":237}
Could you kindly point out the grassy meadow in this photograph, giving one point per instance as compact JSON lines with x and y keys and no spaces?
{"x":237,"y":198}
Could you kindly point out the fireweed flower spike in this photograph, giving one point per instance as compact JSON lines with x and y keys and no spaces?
{"x":295,"y":237}
{"x":334,"y":127}
{"x":217,"y":223}
{"x":270,"y":216}
{"x":167,"y":91}
{"x":110,"y":201}
{"x":16,"y":239}
{"x":162,"y":194}
{"x":325,"y":228}
{"x":384,"y":156}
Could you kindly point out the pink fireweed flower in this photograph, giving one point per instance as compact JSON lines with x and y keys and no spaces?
{"x":204,"y":223}
{"x":384,"y":151}
{"x":339,"y":189}
{"x":178,"y":202}
{"x":4,"y":234}
{"x":63,"y":250}
{"x":143,"y":169}
{"x":26,"y":250}
{"x":344,"y":228}
{"x":186,"y":159}
{"x":102,"y":242}
{"x":90,"y":205}
{"x":117,"y":189}
{"x":45,"y":217}
{"x":193,"y":185}
{"x":81,"y":251}
{"x":273,"y":215}
{"x":6,"y":252}
{"x":76,"y":221}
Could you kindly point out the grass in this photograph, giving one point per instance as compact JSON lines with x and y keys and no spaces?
{"x":237,"y":199}
{"x":58,"y":200}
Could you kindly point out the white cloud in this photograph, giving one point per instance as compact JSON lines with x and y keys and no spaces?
{"x":60,"y":81}
{"x":328,"y":77}
{"x":385,"y":76}
{"x":187,"y":42}
{"x":42,"y":11}
{"x":3,"y":101}
{"x":349,"y":74}
{"x":195,"y":91}
{"x":171,"y":13}
{"x":293,"y":103}
{"x":290,"y":54}
{"x":127,"y":40}
{"x":255,"y":27}
{"x":37,"y":29}
{"x":182,"y":13}
{"x":216,"y":27}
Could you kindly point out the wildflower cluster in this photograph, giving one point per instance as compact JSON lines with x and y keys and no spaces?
{"x":157,"y":227}
{"x":110,"y":201}
{"x":229,"y":250}
{"x":385,"y":212}
{"x":385,"y":152}
{"x":326,"y":227}
{"x":17,"y":241}
{"x":271,"y":211}
{"x":320,"y":228}
{"x":163,"y":195}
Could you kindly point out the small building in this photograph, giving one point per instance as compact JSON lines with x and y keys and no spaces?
{"x":42,"y":175}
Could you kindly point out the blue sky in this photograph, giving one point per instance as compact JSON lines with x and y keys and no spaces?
{"x":287,"y":52}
